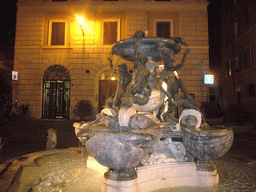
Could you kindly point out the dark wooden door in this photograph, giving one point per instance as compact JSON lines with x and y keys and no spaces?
{"x":106,"y":89}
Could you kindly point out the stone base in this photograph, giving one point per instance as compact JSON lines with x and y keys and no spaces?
{"x":174,"y":174}
{"x":162,"y":176}
{"x":110,"y":185}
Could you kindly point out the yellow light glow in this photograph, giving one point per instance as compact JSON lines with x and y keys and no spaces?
{"x":80,"y":20}
{"x":93,"y":164}
{"x":164,"y":85}
{"x":113,"y":78}
{"x":176,"y":74}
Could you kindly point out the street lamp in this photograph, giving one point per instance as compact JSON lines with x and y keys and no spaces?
{"x":81,"y":23}
{"x":80,"y":20}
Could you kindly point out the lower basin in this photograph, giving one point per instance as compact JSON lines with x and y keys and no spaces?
{"x":75,"y":171}
{"x":62,"y":172}
{"x":68,"y":170}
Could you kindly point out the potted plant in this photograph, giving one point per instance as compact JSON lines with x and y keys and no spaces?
{"x":83,"y":109}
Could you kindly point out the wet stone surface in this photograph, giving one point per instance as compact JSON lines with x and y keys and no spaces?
{"x":234,"y":176}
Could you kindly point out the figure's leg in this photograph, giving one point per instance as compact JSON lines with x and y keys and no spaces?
{"x":117,"y":99}
{"x":128,"y":99}
{"x":179,"y":84}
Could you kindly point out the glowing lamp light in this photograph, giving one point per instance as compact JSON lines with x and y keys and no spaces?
{"x":164,"y":85}
{"x":93,"y":164}
{"x":80,"y":20}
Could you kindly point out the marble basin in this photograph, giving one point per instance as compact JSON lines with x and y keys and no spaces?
{"x":208,"y":142}
{"x":120,"y":148}
{"x":119,"y":151}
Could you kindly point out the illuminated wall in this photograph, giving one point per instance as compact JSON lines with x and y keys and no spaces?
{"x":82,"y":51}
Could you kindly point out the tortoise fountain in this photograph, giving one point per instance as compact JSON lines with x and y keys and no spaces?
{"x":137,"y":142}
{"x":144,"y":147}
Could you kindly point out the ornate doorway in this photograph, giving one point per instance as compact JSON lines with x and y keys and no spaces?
{"x":56,"y":92}
{"x":107,"y":86}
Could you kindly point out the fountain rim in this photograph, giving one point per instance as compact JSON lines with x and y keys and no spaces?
{"x":13,"y":167}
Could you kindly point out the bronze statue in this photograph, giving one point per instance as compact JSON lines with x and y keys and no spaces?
{"x":124,"y":79}
{"x":173,"y":84}
{"x":140,"y":84}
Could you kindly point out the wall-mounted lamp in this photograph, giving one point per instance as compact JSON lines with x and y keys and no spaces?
{"x":81,"y":23}
{"x":80,"y":20}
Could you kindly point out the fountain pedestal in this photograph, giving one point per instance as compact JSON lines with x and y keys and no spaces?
{"x":109,"y":185}
{"x":163,"y":176}
{"x":120,"y":180}
{"x":174,"y":174}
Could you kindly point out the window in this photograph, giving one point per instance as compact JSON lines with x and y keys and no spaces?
{"x":237,"y":2}
{"x":239,"y":28}
{"x":242,"y":25}
{"x":235,"y":30}
{"x":236,"y":64}
{"x":238,"y":95}
{"x":228,"y":68}
{"x":110,"y":32}
{"x":250,"y":90}
{"x":246,"y":20}
{"x":244,"y":59}
{"x":163,"y":29}
{"x":226,"y":39}
{"x":57,"y":35}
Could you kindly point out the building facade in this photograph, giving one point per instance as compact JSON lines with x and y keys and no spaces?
{"x":238,"y":28}
{"x":62,"y":59}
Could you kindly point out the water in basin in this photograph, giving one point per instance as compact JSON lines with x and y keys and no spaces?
{"x":63,"y":172}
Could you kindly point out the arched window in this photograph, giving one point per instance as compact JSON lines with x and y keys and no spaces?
{"x":57,"y":72}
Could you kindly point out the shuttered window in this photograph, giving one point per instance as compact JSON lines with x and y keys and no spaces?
{"x":110,"y":32}
{"x":58,"y":33}
{"x":163,"y":29}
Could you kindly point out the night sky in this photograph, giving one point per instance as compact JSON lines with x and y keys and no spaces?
{"x":214,"y":34}
{"x":8,"y":21}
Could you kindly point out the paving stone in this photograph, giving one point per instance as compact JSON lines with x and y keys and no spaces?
{"x":234,"y":177}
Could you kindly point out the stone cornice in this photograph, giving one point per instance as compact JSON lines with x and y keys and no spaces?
{"x":88,"y":46}
{"x":114,"y":6}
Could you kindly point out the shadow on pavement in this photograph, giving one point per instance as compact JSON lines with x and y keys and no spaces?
{"x":25,"y":136}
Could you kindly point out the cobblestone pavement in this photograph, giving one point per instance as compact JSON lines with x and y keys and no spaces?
{"x":234,"y":177}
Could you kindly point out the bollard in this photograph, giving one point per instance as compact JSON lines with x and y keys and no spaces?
{"x":51,"y":142}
